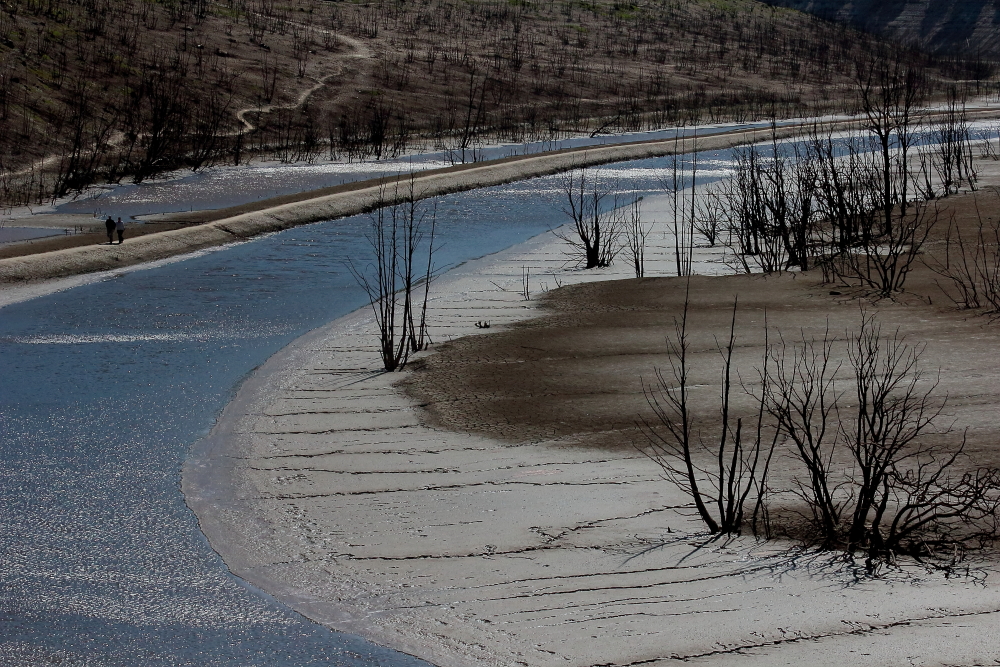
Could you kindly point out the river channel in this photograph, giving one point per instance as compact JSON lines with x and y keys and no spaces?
{"x":104,"y":388}
{"x":230,"y":186}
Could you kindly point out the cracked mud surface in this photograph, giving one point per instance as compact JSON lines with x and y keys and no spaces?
{"x":498,"y":514}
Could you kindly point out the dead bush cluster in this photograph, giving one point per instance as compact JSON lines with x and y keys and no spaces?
{"x":875,"y":463}
{"x":860,"y":207}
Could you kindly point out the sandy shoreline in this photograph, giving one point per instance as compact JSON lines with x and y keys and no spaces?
{"x":364,"y":406}
{"x":328,"y":486}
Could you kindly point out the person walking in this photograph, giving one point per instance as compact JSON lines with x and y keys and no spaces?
{"x":120,"y":228}
{"x":109,"y":226}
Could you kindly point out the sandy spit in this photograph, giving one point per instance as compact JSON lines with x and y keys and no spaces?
{"x":240,"y":223}
{"x":334,"y":490}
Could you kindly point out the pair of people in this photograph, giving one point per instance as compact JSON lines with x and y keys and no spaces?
{"x":111,"y":227}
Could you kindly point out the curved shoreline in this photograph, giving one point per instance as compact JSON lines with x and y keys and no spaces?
{"x":225,"y":500}
{"x":324,"y":485}
{"x":324,"y":389}
{"x":211,"y":485}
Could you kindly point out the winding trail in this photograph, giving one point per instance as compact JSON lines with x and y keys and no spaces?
{"x":360,"y":52}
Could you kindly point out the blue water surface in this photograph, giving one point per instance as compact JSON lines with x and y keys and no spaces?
{"x":223,"y":186}
{"x":10,"y":234}
{"x":103,"y":390}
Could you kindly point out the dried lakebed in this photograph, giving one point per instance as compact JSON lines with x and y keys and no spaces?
{"x":330,"y":487}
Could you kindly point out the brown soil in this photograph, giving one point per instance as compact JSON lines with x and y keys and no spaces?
{"x":579,"y":369}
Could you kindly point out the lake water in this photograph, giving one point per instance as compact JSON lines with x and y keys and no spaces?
{"x":221,"y":187}
{"x":105,"y":387}
{"x":12,"y":234}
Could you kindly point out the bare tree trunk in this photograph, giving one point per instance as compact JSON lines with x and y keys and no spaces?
{"x":395,"y":236}
{"x":597,"y":227}
{"x":718,"y":476}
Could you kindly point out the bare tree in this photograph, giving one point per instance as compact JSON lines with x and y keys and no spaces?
{"x":882,"y":263}
{"x":889,"y":93}
{"x":938,"y":508}
{"x":419,"y":338}
{"x":390,"y":280}
{"x":971,"y":267}
{"x":848,"y":190}
{"x":592,"y":206}
{"x":988,"y":149}
{"x":718,"y":473}
{"x":881,"y":474}
{"x":904,"y":484}
{"x":894,"y":408}
{"x":710,"y":216}
{"x":770,"y":207}
{"x":684,"y":213}
{"x":636,"y":231}
{"x":475,"y":110}
{"x":950,"y":151}
{"x":800,"y":393}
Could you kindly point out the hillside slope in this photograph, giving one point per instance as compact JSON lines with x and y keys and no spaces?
{"x":102,"y":90}
{"x":968,"y":27}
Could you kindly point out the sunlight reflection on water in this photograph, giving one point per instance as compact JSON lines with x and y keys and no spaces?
{"x":224,"y":186}
{"x":107,"y":385}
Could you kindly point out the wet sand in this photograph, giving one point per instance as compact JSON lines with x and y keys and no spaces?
{"x":487,"y":507}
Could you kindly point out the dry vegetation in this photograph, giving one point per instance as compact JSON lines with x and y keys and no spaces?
{"x":856,"y":424}
{"x":841,"y":393}
{"x":114,"y":89}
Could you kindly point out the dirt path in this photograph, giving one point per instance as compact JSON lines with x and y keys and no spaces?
{"x":360,"y":51}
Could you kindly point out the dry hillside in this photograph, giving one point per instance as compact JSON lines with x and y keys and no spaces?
{"x":104,"y":90}
{"x":966,"y":27}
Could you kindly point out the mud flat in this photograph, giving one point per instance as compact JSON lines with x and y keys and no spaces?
{"x":486,"y":507}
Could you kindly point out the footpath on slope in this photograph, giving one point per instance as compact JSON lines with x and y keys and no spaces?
{"x":246,"y":221}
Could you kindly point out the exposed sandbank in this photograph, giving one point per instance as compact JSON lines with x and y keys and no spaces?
{"x":512,"y":523}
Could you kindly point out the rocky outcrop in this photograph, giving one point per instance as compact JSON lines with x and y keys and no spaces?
{"x":967,"y":27}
